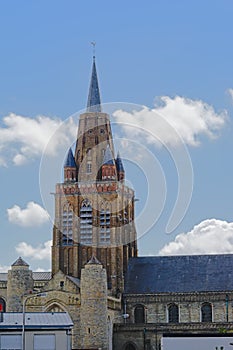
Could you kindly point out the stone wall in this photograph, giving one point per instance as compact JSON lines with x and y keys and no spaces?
{"x":93,"y":313}
{"x":20,"y":281}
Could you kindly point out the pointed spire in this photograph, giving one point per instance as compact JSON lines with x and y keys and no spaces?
{"x":108,"y":157}
{"x":70,"y":162}
{"x":94,"y":103}
{"x":119,"y":164}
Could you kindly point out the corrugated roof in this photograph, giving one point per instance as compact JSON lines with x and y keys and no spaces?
{"x":179,"y":274}
{"x":37,"y":319}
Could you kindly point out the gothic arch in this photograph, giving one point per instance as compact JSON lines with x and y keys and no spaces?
{"x":55,"y":307}
{"x":85,"y":203}
{"x":2,"y":305}
{"x":206,"y":312}
{"x":139,"y":313}
{"x":130,"y":346}
{"x":173,"y":313}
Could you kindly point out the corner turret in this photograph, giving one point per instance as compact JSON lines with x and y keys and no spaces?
{"x":70,"y":168}
{"x":20,"y":281}
{"x":109,"y":166}
{"x":120,"y":168}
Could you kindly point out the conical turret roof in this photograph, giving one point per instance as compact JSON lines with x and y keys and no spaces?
{"x":20,"y":262}
{"x":119,"y":164}
{"x":94,"y":261}
{"x":108,"y":157}
{"x":70,"y":162}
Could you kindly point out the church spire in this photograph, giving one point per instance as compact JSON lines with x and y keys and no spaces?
{"x":94,"y":103}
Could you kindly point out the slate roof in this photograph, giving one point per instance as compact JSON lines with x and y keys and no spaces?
{"x":108,"y":157}
{"x":75,"y":280}
{"x":42,"y":276}
{"x":94,"y":261}
{"x":37,"y":276}
{"x":70,"y":162}
{"x":119,"y":163}
{"x":20,"y":262}
{"x":3,"y":276}
{"x":94,"y":103}
{"x":36,"y":319}
{"x":179,"y":274}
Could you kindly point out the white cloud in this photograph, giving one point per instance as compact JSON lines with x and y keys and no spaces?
{"x":19,"y":159}
{"x":41,"y":252}
{"x":32,"y":215}
{"x":4,"y":268}
{"x":209,"y":237}
{"x":173,"y":120}
{"x":230,"y":92}
{"x":23,"y":138}
{"x":40,"y":269}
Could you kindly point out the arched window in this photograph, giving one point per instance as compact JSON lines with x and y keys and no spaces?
{"x":139,"y":314}
{"x":67,"y":225}
{"x":130,"y":346}
{"x":206,"y":312}
{"x":173,"y":313}
{"x":89,"y":153}
{"x":86,"y":223}
{"x":2,"y":305}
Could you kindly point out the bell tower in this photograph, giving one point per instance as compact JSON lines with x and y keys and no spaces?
{"x":94,"y":209}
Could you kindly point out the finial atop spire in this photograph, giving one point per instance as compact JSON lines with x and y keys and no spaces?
{"x":93,"y":43}
{"x":94,"y":103}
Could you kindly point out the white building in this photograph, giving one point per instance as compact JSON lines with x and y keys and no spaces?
{"x":41,"y":331}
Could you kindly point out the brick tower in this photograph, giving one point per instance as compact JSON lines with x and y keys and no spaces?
{"x":94,"y":209}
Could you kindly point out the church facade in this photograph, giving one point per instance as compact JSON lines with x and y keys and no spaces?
{"x":116,"y":299}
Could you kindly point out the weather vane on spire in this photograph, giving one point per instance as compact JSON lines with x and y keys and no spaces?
{"x":93,"y":43}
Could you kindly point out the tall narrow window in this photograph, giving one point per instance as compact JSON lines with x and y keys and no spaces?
{"x":67,"y":225}
{"x":206,"y":312}
{"x":105,"y":231}
{"x":86,"y":223}
{"x":2,"y":305}
{"x":173,"y":313}
{"x":139,"y":314}
{"x":89,"y":168}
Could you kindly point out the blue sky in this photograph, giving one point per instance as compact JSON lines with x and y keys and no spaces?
{"x":145,"y":51}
